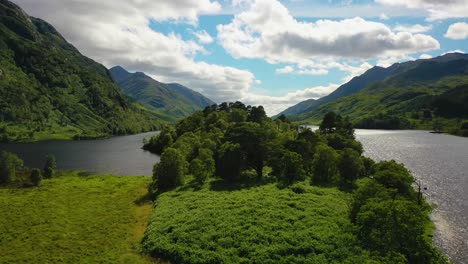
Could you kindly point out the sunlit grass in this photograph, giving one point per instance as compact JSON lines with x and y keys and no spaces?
{"x":73,"y":219}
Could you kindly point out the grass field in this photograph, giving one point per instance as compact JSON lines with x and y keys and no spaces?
{"x":73,"y":219}
{"x":260,"y":224}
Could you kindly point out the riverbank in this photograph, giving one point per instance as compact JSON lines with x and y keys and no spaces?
{"x":73,"y":218}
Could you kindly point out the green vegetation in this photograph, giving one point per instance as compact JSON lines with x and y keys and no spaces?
{"x":423,"y":94}
{"x":74,"y":219}
{"x":234,"y":186}
{"x":48,"y":90}
{"x":168,"y":102}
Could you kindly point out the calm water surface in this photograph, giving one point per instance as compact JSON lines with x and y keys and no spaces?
{"x":440,"y":163}
{"x":117,"y":155}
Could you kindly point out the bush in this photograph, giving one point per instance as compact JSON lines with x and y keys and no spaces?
{"x":169,"y":173}
{"x":50,"y":166}
{"x":36,"y":177}
{"x":350,"y":165}
{"x":9,"y":164}
{"x":325,"y":165}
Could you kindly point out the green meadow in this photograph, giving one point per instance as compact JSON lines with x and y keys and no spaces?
{"x":75,"y":219}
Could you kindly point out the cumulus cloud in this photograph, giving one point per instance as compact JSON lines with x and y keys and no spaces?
{"x":265,"y":29}
{"x":425,"y":56}
{"x":203,"y":37}
{"x":118,"y":33}
{"x":457,"y":31}
{"x":437,"y":9}
{"x":273,"y":105}
{"x":383,"y":16}
{"x":413,"y":28}
{"x":285,"y":69}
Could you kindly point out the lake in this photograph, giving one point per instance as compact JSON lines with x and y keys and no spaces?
{"x":117,"y":155}
{"x":440,"y":163}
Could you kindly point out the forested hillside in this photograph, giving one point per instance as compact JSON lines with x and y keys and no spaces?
{"x":424,"y":94}
{"x":49,"y":90}
{"x":169,"y":102}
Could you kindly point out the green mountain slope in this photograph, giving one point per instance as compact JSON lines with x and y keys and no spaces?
{"x":49,"y":90}
{"x":431,"y":95}
{"x":373,"y":75}
{"x":168,"y":101}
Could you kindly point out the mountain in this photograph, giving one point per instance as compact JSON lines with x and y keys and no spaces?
{"x":167,"y":101}
{"x":49,"y":90}
{"x":421,"y":94}
{"x":360,"y":82}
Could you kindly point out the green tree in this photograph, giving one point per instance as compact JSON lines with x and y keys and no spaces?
{"x":50,"y":166}
{"x":350,"y":165}
{"x":203,"y":166}
{"x":291,"y":167}
{"x":254,"y":141}
{"x":325,"y":165}
{"x":328,"y":124}
{"x":257,"y":115}
{"x":368,"y":163}
{"x":9,"y":164}
{"x":230,"y":161}
{"x":394,"y":176}
{"x":157,"y":144}
{"x":36,"y":177}
{"x":395,"y":226}
{"x":170,"y":171}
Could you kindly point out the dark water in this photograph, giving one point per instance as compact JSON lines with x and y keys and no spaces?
{"x":440,"y":162}
{"x":117,"y":155}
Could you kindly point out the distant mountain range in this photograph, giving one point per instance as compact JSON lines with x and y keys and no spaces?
{"x":49,"y":90}
{"x":405,"y":95}
{"x":169,"y":102}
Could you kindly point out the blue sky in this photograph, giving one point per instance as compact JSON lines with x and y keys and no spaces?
{"x":269,"y":52}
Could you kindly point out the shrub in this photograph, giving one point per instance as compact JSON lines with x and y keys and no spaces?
{"x":36,"y":177}
{"x":50,"y":166}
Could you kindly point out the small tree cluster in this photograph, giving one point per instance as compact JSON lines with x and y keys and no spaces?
{"x":9,"y":164}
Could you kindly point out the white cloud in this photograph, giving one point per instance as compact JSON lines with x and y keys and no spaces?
{"x":389,"y":61}
{"x":457,"y":31}
{"x":285,"y":69}
{"x":383,"y":16}
{"x":258,"y":82}
{"x":453,"y":51}
{"x":413,"y":28}
{"x":118,"y":33}
{"x":425,"y":56}
{"x":437,"y":9}
{"x":265,"y":29}
{"x":203,"y":37}
{"x":275,"y":104}
{"x":312,"y":72}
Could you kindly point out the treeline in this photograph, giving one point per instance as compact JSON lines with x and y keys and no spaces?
{"x":240,"y":143}
{"x":14,"y":173}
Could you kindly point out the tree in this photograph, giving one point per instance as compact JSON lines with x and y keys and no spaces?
{"x":394,"y":176}
{"x":368,"y":163}
{"x":328,"y":124}
{"x":253,"y":140}
{"x":170,"y":171}
{"x":230,"y":161}
{"x":325,"y":165}
{"x":395,"y":226}
{"x":36,"y":177}
{"x":9,"y":164}
{"x":50,"y":166}
{"x":159,"y":143}
{"x":291,"y":168}
{"x":350,"y":165}
{"x":203,"y":166}
{"x":257,"y":115}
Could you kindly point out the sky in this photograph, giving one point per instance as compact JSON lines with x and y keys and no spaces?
{"x":262,"y":52}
